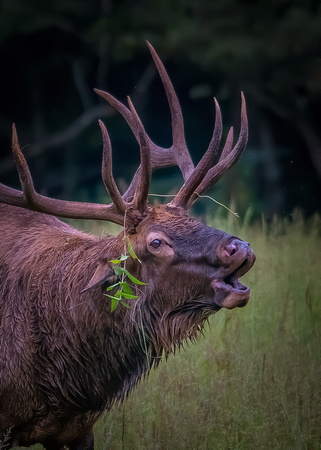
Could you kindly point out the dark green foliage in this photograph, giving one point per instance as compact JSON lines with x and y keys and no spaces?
{"x":54,"y":53}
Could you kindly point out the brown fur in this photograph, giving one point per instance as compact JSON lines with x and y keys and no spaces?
{"x":64,"y":357}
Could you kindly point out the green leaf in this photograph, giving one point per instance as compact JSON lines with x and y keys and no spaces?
{"x":112,"y":297}
{"x":126,"y":288}
{"x":133,"y":279}
{"x":114,"y":304}
{"x":118,"y":261}
{"x":117,"y":296}
{"x":131,"y":250}
{"x":119,"y":270}
{"x":113,"y":286}
{"x":129,"y":296}
{"x":125,"y":304}
{"x":114,"y":300}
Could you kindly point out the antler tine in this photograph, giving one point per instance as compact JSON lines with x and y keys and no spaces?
{"x":228,"y":144}
{"x":226,"y":151}
{"x":23,"y":169}
{"x":121,"y":108}
{"x":179,"y":148}
{"x":141,"y":189}
{"x":160,"y":157}
{"x":228,"y":158}
{"x":107,"y":173}
{"x":178,"y":153}
{"x":28,"y":198}
{"x":207,"y":161}
{"x":7,"y":194}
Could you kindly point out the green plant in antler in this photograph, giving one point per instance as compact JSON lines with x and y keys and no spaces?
{"x":124,"y":292}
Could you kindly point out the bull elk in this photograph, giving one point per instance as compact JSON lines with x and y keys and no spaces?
{"x":65,"y":357}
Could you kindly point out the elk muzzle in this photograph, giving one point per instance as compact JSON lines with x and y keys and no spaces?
{"x":236,"y":259}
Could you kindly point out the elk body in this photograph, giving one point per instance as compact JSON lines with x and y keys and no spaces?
{"x":64,"y":356}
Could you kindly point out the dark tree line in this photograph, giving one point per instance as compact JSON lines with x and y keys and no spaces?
{"x":54,"y":53}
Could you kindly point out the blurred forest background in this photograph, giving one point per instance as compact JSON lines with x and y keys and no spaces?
{"x":54,"y":52}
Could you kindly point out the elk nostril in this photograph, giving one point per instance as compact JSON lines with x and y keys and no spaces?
{"x":231,"y":249}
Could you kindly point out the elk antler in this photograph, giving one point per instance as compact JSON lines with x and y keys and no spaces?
{"x":209,"y":170}
{"x":132,"y":205}
{"x":30,"y":199}
{"x":177,"y":154}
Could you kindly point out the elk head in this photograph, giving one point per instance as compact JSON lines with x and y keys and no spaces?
{"x":191,"y":269}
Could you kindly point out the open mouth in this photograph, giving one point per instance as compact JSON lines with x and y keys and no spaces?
{"x":232,"y":278}
{"x":229,"y":292}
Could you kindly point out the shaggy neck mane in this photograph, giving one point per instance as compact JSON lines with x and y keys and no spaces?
{"x":152,"y":334}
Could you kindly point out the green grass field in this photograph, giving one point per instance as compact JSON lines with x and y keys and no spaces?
{"x":253,"y":381}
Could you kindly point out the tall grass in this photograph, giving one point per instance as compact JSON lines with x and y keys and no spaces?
{"x":254,"y":380}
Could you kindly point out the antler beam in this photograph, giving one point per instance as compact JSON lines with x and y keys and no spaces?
{"x":30,"y":199}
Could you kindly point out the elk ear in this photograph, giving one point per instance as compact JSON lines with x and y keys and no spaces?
{"x":103,"y":273}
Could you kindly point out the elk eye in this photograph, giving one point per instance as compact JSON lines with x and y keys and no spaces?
{"x":156,"y":243}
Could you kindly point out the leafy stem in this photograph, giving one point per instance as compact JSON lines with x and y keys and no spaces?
{"x":124,"y":291}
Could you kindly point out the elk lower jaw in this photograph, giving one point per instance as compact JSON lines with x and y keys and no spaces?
{"x":229,"y":292}
{"x":230,"y":295}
